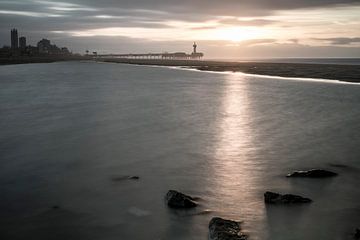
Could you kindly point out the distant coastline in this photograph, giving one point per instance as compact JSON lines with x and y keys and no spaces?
{"x":41,"y":59}
{"x":19,"y":52}
{"x":346,"y":73}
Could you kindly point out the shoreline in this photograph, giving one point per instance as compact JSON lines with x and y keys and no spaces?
{"x":40,"y":59}
{"x":343,"y":73}
{"x":307,"y":79}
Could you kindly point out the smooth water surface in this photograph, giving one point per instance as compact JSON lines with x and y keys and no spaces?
{"x":67,"y":129}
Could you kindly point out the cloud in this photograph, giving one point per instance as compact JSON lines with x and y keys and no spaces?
{"x":294,"y":40}
{"x":203,"y":28}
{"x":252,"y":22}
{"x":255,"y":42}
{"x":108,"y":16}
{"x":340,"y":40}
{"x":216,"y":7}
{"x":66,"y":9}
{"x":64,"y":6}
{"x":29,"y":14}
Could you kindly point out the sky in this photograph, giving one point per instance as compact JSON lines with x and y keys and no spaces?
{"x":221,"y":28}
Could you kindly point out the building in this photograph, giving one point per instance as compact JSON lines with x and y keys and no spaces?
{"x":5,"y":52}
{"x":32,"y":51}
{"x":181,"y":55}
{"x":19,"y":48}
{"x":14,"y":39}
{"x":194,"y":54}
{"x":22,"y":43}
{"x":65,"y":51}
{"x":44,"y":46}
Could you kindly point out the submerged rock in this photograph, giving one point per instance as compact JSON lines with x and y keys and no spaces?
{"x":357,"y":234}
{"x":313,"y":173}
{"x":177,"y":199}
{"x":122,"y":178}
{"x":134,"y":177}
{"x":276,"y":198}
{"x":223,"y":229}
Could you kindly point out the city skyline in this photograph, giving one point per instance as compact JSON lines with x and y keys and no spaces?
{"x":19,"y":48}
{"x":322,"y":28}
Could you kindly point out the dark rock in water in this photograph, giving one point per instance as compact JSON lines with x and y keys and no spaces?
{"x":357,"y":234}
{"x":177,"y":199}
{"x":222,"y":229}
{"x":276,"y":198}
{"x":122,"y":178}
{"x":55,"y":207}
{"x":313,"y":173}
{"x":134,"y":177}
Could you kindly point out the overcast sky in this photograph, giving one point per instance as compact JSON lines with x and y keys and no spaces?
{"x":222,"y":28}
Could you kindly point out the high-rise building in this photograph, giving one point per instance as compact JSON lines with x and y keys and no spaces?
{"x":22,"y":43}
{"x":14,"y":39}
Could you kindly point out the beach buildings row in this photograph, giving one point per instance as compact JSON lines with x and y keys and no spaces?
{"x":19,"y":47}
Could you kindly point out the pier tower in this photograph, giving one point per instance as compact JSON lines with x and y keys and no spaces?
{"x":194,"y":47}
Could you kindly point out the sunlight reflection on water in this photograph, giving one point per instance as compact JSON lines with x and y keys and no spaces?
{"x":235,"y":166}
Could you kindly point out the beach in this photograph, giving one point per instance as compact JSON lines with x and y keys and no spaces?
{"x":347,"y":73}
{"x":325,"y":71}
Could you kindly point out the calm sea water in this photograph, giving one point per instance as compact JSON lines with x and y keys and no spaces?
{"x":66,"y":129}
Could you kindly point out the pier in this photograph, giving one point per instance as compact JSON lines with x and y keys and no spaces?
{"x":165,"y":56}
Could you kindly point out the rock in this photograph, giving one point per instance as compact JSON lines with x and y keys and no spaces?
{"x":177,"y":199}
{"x":357,"y":234}
{"x":122,"y":178}
{"x":223,"y":229}
{"x":134,"y":177}
{"x":276,"y":198}
{"x":55,"y":207}
{"x":313,"y":173}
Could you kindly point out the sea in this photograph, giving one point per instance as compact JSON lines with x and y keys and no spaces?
{"x":71,"y":133}
{"x":336,"y":61}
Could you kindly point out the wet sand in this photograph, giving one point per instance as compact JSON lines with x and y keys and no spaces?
{"x":347,"y":73}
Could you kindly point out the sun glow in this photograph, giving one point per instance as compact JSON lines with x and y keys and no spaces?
{"x":237,"y":34}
